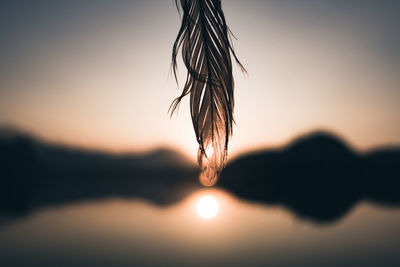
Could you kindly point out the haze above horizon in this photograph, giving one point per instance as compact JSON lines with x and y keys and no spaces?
{"x":96,"y":76}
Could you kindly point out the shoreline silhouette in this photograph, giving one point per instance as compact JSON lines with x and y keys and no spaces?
{"x":316,"y":176}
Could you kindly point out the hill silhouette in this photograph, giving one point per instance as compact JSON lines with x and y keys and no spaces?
{"x":316,"y":176}
{"x":36,"y":174}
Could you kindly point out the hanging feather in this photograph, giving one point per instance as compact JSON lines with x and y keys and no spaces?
{"x":204,"y":39}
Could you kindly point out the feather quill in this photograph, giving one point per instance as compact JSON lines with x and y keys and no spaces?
{"x":205,"y":41}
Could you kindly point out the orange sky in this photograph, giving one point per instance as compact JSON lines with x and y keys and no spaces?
{"x":98,"y":76}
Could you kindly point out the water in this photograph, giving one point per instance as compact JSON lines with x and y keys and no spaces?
{"x":121,"y":232}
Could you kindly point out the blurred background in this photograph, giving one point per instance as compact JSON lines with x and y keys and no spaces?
{"x":94,"y":172}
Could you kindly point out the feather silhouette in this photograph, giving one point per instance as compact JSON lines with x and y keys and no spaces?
{"x":205,"y":41}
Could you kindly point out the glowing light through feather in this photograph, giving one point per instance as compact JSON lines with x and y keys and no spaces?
{"x":211,"y":164}
{"x":204,"y":41}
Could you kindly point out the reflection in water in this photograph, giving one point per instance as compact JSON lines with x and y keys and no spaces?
{"x":125,"y":232}
{"x":207,"y":207}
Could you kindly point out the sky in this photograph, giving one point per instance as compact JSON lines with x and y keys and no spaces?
{"x":96,"y":74}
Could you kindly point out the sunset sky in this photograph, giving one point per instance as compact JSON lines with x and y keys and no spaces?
{"x":96,"y":73}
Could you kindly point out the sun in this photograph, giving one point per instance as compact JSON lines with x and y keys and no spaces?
{"x":207,"y":207}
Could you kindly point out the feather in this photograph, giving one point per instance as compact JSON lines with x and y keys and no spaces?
{"x":205,"y":41}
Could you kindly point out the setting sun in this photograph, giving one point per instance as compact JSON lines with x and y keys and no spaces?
{"x":207,"y":207}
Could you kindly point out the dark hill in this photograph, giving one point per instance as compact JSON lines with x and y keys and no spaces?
{"x":317,"y":176}
{"x":36,"y":174}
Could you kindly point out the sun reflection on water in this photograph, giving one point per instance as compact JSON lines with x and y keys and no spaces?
{"x":211,"y":206}
{"x":207,"y":207}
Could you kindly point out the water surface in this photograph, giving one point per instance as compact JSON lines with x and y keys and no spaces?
{"x":131,"y":231}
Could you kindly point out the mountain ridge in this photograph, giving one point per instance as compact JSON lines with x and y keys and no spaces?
{"x":317,"y":176}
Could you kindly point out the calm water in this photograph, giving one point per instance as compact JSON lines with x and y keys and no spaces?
{"x":118,"y":232}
